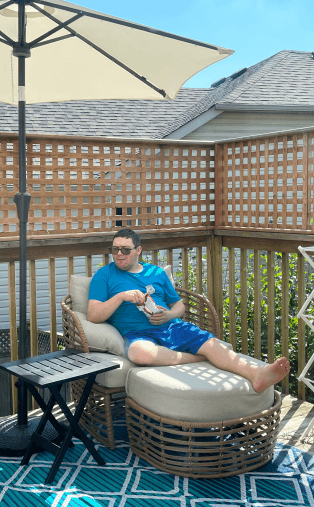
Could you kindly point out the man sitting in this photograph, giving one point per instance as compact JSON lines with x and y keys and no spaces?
{"x":118,"y":290}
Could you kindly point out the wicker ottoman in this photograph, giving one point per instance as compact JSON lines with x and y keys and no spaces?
{"x":198,"y":421}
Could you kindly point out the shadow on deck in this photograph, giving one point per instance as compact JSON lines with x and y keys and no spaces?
{"x":296,"y":415}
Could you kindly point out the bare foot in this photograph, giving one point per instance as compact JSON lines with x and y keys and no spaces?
{"x":270,"y":374}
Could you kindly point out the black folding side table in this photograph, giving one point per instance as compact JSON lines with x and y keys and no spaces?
{"x":52,"y":371}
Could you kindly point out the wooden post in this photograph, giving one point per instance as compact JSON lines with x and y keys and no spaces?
{"x":70,"y":270}
{"x":301,"y":325}
{"x":33,"y":316}
{"x":257,"y":305}
{"x":155,"y":257}
{"x":88,"y":265}
{"x":199,"y":270}
{"x":220,"y":214}
{"x":33,"y":308}
{"x":285,"y":316}
{"x":170,"y":257}
{"x":271,"y":306}
{"x":307,"y":215}
{"x":185,"y":268}
{"x":53,"y":313}
{"x":243,"y":281}
{"x":232,"y":320}
{"x":210,"y":269}
{"x":217,"y":279}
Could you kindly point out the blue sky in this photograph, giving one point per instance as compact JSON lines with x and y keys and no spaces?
{"x":255,"y":29}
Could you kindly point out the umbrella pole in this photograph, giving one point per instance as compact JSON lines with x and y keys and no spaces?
{"x":16,"y":432}
{"x":22,"y":201}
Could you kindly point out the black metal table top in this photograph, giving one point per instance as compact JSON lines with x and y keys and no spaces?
{"x":57,"y":367}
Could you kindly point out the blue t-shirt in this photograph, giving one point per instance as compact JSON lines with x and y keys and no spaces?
{"x":110,"y":280}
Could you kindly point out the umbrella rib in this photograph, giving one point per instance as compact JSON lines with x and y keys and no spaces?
{"x":129,"y":24}
{"x":7,"y":38}
{"x":100,"y":50}
{"x":5,"y":42}
{"x":56,"y":39}
{"x":54,"y":30}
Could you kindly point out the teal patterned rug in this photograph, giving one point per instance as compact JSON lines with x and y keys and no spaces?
{"x":127,"y":481}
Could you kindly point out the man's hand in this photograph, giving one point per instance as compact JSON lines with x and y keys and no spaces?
{"x":98,"y":311}
{"x":134,"y":296}
{"x":161,"y":318}
{"x":176,"y":311}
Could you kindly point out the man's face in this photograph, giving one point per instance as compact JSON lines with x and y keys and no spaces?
{"x":126,"y":262}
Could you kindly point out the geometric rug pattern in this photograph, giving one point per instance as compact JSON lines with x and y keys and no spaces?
{"x":127,"y":481}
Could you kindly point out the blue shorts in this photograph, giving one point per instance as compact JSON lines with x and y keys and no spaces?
{"x":179,"y":336}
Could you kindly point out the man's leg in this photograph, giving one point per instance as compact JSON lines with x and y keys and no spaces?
{"x":261,"y":377}
{"x":146,"y":353}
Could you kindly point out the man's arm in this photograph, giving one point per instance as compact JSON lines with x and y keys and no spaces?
{"x":176,"y":311}
{"x":98,"y":311}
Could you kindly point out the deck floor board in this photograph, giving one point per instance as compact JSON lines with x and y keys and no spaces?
{"x":296,"y":415}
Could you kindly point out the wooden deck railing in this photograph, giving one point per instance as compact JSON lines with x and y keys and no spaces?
{"x":211,"y":267}
{"x":246,"y":196}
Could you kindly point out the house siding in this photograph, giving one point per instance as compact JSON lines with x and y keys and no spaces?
{"x":241,"y":124}
{"x":42,"y":289}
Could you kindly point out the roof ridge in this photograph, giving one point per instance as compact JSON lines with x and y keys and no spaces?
{"x":205,"y":103}
{"x":271,"y":62}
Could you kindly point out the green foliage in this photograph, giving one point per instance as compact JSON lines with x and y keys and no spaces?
{"x":192,"y":277}
{"x":293,"y":309}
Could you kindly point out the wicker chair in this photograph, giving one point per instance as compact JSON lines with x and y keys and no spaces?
{"x":97,"y":415}
{"x":203,"y":450}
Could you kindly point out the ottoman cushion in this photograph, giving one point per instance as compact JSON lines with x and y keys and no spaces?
{"x":197,"y":392}
{"x":113,"y":378}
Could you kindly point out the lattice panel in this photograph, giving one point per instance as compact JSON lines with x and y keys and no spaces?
{"x":268,"y":183}
{"x":5,"y":342}
{"x":87,"y":186}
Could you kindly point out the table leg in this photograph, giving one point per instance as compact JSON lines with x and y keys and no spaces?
{"x":60,"y":428}
{"x":40,"y":428}
{"x":74,"y":428}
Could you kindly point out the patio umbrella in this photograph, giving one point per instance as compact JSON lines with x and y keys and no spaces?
{"x":80,"y":54}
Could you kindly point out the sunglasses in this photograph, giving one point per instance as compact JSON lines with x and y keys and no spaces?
{"x":125,"y":250}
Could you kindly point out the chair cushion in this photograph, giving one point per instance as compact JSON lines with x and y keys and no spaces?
{"x":79,"y":289}
{"x":197,"y":392}
{"x":102,"y":337}
{"x":168,"y":271}
{"x":113,"y":378}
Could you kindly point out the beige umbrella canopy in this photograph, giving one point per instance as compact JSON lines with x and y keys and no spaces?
{"x":79,"y":54}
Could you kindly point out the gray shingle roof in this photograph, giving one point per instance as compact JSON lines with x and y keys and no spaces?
{"x":285,"y":80}
{"x":117,"y":118}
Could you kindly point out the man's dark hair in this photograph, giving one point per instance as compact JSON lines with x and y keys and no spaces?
{"x":128,"y":233}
